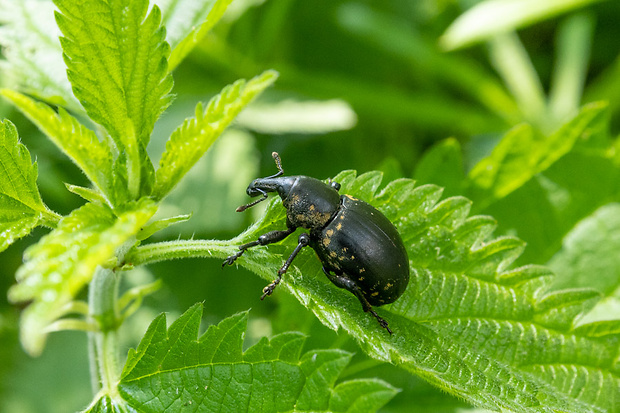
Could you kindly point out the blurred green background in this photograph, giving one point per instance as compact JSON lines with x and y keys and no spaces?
{"x":363,"y":85}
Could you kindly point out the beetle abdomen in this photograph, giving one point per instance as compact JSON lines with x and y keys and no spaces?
{"x":363,"y":244}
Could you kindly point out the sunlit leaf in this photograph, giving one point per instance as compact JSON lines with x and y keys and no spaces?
{"x":116,"y":56}
{"x":75,"y":140}
{"x":190,"y":141}
{"x":21,"y":207}
{"x":64,"y":261}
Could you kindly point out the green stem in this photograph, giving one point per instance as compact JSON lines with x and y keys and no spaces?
{"x":161,"y":251}
{"x":513,"y":64}
{"x":103,"y":343}
{"x":50,"y":219}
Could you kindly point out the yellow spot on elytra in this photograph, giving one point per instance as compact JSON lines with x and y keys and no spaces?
{"x":388,"y":286}
{"x":376,"y":293}
{"x":311,"y":207}
{"x":339,"y":226}
{"x":329,"y":232}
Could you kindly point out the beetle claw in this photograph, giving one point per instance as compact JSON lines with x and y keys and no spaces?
{"x":381,"y":321}
{"x":268,"y":290}
{"x":230,"y":260}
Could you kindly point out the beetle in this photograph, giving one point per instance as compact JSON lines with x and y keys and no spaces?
{"x":360,"y":249}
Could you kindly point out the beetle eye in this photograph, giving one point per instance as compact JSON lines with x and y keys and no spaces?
{"x":334,"y":185}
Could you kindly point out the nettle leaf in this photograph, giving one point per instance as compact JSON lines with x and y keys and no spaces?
{"x":77,"y":141}
{"x":187,"y":22}
{"x":523,"y":153}
{"x":191,"y":140}
{"x":468,"y":322}
{"x":21,"y":207}
{"x":591,"y":248}
{"x":174,"y":369}
{"x":64,"y":261}
{"x":116,"y":58}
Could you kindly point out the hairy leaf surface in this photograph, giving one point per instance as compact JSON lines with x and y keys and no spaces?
{"x":468,"y":322}
{"x":80,"y":143}
{"x":191,"y":140}
{"x":64,"y":261}
{"x":116,"y":56}
{"x":21,"y":207}
{"x":174,"y":369}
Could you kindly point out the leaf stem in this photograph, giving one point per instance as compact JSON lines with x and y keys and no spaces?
{"x":50,"y":218}
{"x":103,"y":343}
{"x":160,"y":251}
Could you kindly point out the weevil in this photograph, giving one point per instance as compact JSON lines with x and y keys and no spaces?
{"x":359,"y":248}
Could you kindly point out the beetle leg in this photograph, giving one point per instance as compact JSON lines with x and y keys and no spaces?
{"x":304,"y":240}
{"x":268,"y":238}
{"x":350,"y":285}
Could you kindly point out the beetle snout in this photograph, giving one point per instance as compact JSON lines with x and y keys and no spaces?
{"x":253,"y":190}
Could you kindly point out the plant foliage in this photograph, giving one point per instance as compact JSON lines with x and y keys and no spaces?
{"x":468,"y":322}
{"x":21,"y":207}
{"x":474,"y":321}
{"x":216,"y":375}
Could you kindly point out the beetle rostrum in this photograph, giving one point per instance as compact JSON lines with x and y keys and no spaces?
{"x":360,"y":249}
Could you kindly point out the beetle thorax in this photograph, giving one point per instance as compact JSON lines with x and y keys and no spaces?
{"x":311,"y":203}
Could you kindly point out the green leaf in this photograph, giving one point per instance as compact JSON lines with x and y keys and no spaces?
{"x":116,"y":58}
{"x":21,"y":207}
{"x":63,"y":262}
{"x":171,"y":369}
{"x":546,"y":207}
{"x":491,"y":17}
{"x":187,"y":22}
{"x":522,"y":153}
{"x":591,"y":248}
{"x":81,"y":144}
{"x":160,"y":225}
{"x":191,"y":140}
{"x":468,"y":322}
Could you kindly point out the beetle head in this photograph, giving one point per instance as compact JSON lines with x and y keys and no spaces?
{"x":273,"y":183}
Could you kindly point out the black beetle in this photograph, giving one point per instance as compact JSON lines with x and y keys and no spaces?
{"x":360,"y":249}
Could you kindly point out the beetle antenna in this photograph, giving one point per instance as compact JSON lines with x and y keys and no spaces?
{"x":276,"y":157}
{"x":251,"y":204}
